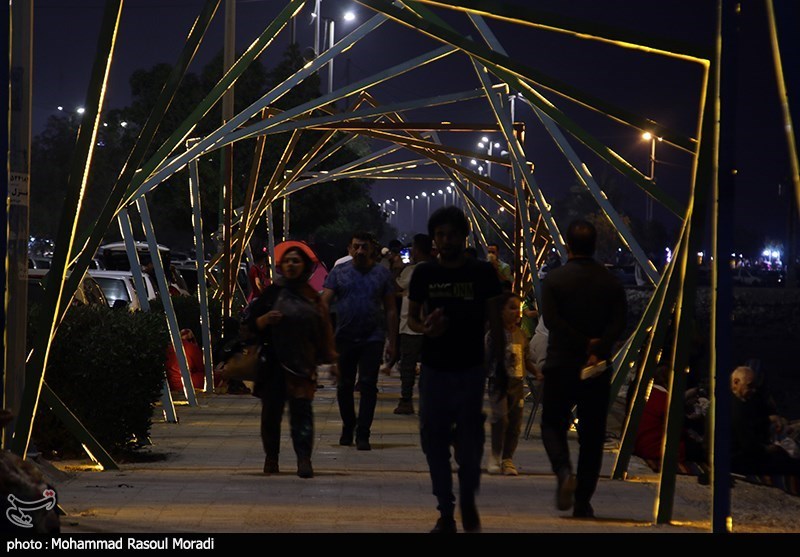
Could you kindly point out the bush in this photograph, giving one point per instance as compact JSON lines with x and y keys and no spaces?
{"x":108,"y":368}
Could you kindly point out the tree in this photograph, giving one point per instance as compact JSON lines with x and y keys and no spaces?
{"x":578,"y":203}
{"x":315,"y":212}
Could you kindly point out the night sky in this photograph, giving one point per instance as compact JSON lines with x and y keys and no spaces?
{"x":667,"y":91}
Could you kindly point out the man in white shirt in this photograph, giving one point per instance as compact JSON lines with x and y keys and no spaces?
{"x":410,"y":341}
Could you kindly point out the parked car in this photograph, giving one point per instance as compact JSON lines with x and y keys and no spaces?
{"x":114,"y":256}
{"x":625,"y":273}
{"x":188,"y":270}
{"x":88,"y":293}
{"x":119,"y":288}
{"x":742,"y":276}
{"x":38,"y":262}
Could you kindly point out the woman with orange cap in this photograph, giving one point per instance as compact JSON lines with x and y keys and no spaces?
{"x":297,"y":334}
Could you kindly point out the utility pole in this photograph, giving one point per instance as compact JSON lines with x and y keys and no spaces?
{"x":18,"y":207}
{"x":228,"y":273}
{"x":790,"y":253}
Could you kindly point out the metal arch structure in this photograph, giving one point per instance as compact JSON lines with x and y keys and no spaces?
{"x":391,"y":128}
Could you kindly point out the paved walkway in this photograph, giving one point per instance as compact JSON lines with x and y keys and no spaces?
{"x":211,"y":482}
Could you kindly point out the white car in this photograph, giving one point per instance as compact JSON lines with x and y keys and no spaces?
{"x":89,"y":293}
{"x":119,"y":288}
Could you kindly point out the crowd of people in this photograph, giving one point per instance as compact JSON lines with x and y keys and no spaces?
{"x":450,"y":324}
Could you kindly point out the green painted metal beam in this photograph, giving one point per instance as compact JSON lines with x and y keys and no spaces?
{"x":55,"y":295}
{"x":166,"y":300}
{"x":517,"y":13}
{"x":88,"y":247}
{"x":496,"y":61}
{"x":703,"y":183}
{"x":202,"y":285}
{"x":73,"y":424}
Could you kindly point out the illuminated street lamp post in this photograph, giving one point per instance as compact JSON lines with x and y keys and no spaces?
{"x":317,"y":18}
{"x":426,"y":196}
{"x":387,"y":208}
{"x":411,"y":199}
{"x":647,"y":136}
{"x":488,"y":145}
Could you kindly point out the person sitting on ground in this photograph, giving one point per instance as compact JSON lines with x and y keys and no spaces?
{"x":755,"y":424}
{"x":652,"y":426}
{"x":194,"y":360}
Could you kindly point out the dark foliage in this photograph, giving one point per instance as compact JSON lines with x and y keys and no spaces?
{"x":108,"y":368}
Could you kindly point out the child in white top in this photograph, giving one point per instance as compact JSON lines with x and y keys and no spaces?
{"x":507,"y":405}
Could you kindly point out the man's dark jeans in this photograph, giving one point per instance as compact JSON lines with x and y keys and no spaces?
{"x":362,"y":360}
{"x":564,"y":389}
{"x":410,"y":348}
{"x":451,"y":413}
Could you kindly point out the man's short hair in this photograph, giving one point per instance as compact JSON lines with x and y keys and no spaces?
{"x":451,"y":215}
{"x":581,"y":237}
{"x":395,"y":245}
{"x":423,"y":243}
{"x":364,"y":236}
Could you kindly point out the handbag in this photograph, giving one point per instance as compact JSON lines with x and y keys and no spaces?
{"x":243,"y":365}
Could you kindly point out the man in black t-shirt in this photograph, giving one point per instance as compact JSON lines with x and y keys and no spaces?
{"x":451,"y":299}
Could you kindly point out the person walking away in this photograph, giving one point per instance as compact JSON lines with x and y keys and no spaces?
{"x":451,"y":298}
{"x":295,"y":330}
{"x":366,"y":315}
{"x":584,"y":307}
{"x":507,"y":403}
{"x":410,"y":341}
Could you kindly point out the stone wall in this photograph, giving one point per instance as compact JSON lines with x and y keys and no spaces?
{"x":766,"y":326}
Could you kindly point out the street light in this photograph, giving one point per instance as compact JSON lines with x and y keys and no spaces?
{"x":386,"y":205}
{"x":426,"y":196}
{"x":648,"y":209}
{"x":489,"y":145}
{"x":317,"y":18}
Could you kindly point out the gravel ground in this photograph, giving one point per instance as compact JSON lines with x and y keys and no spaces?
{"x":766,"y":327}
{"x":754,"y":508}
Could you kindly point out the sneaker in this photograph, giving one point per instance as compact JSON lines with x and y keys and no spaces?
{"x":404,"y":407}
{"x":444,"y":526}
{"x":583,"y":510}
{"x":508,"y":468}
{"x":363,"y":445}
{"x":565,"y":494}
{"x":270,"y":466}
{"x":469,"y":516}
{"x":494,"y":467}
{"x":304,"y":469}
{"x":347,"y":437}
